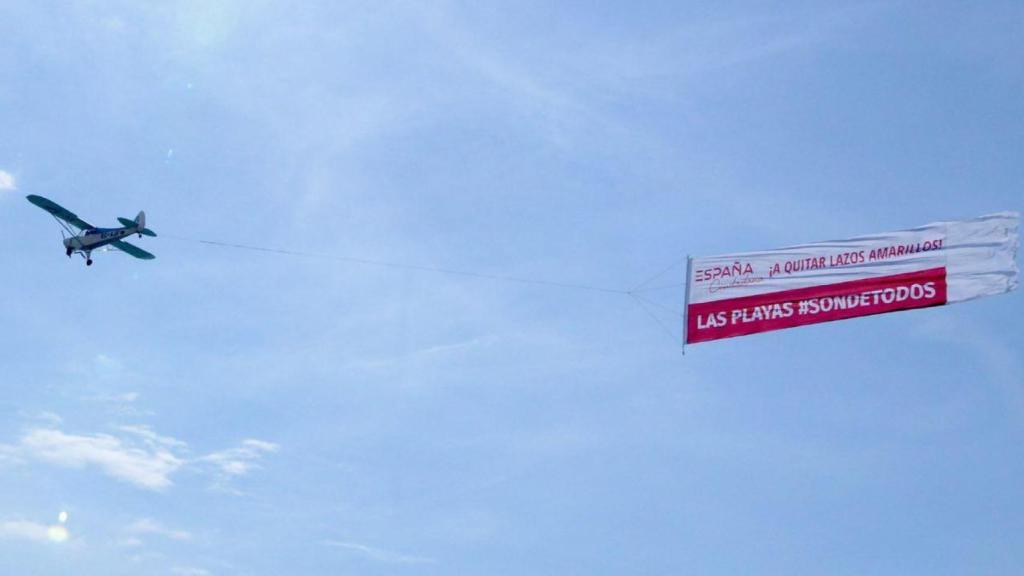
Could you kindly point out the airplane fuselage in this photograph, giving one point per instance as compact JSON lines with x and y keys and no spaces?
{"x":94,"y":238}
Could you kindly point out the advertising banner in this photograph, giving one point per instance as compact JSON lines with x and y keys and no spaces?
{"x":940,"y":263}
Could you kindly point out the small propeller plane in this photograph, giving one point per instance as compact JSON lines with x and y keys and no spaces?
{"x":90,"y":238}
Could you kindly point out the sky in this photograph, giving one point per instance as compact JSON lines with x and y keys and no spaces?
{"x":228,"y":411}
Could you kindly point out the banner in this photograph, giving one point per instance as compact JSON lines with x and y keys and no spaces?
{"x":936,"y":264}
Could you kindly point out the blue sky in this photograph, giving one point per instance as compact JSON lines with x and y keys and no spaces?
{"x":219,"y":411}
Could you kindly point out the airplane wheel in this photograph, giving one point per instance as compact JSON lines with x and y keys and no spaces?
{"x":88,"y":262}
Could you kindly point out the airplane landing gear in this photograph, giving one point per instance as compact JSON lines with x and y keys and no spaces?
{"x":69,"y":251}
{"x":88,"y":262}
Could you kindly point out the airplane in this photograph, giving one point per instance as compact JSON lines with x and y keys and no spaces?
{"x":90,"y":238}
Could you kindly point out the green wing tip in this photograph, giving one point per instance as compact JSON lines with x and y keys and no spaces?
{"x":44,"y":203}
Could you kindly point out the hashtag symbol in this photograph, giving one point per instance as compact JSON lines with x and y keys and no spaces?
{"x":801,"y":307}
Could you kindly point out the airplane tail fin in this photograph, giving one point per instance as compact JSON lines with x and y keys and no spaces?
{"x":139,"y":221}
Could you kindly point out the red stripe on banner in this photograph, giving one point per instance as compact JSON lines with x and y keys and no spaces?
{"x":788,"y":308}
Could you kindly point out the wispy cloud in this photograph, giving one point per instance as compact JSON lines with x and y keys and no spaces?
{"x":34,"y":531}
{"x":147,"y":466}
{"x":51,"y":417}
{"x":379,"y":554}
{"x":434,"y":352}
{"x":130,"y":542}
{"x":45,"y":417}
{"x":152,"y":439}
{"x":124,"y":404}
{"x":241,"y":460}
{"x":136,"y":455}
{"x":557,"y":111}
{"x":7,"y":182}
{"x":23,"y":530}
{"x":9,"y":454}
{"x":189,"y":571}
{"x":564,"y":91}
{"x":148,"y":526}
{"x":999,"y":360}
{"x":101,"y":367}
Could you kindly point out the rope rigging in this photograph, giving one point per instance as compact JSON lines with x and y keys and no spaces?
{"x":634,"y":293}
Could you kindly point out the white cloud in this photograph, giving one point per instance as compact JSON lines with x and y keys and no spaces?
{"x":7,"y":181}
{"x":148,"y":466}
{"x":8,"y":454}
{"x":104,"y":366}
{"x":189,"y":571}
{"x":100,"y":368}
{"x":130,"y":542}
{"x":122,"y":404}
{"x":34,"y":531}
{"x":152,"y":439}
{"x":126,"y":397}
{"x":144,"y":526}
{"x":379,"y":554}
{"x":241,"y":460}
{"x":136,"y":455}
{"x":51,"y":418}
{"x":24,"y":530}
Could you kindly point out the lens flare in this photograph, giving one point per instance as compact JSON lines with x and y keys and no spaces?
{"x":57,"y":534}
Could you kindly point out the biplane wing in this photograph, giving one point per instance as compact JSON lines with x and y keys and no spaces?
{"x":132,"y":250}
{"x":60,"y":212}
